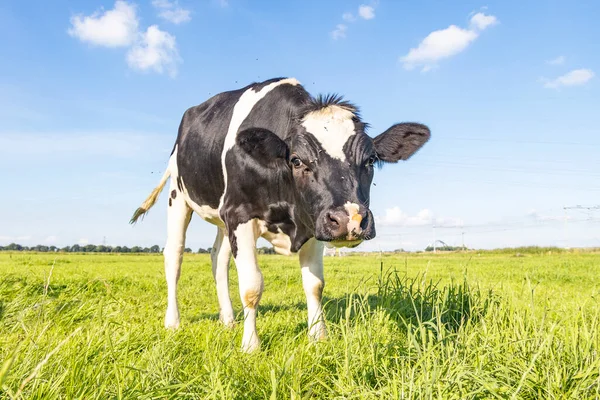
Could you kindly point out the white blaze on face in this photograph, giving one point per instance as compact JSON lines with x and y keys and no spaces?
{"x":332,"y":126}
{"x":241,"y":110}
{"x":355,"y":219}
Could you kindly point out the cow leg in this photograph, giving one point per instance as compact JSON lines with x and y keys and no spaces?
{"x":178,"y":219}
{"x":250,"y":280}
{"x":311,"y":261}
{"x":220,"y":256}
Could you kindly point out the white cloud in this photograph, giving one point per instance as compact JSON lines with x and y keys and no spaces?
{"x":546,"y":218}
{"x":15,"y":239}
{"x":170,"y":11}
{"x":396,"y":217}
{"x":449,"y":222}
{"x":339,"y":32}
{"x":557,"y":61}
{"x":153,"y":50}
{"x":176,"y":16}
{"x":439,"y":45}
{"x":366,"y":12}
{"x":113,"y":28}
{"x":349,"y":17}
{"x":481,"y":21}
{"x":83,"y":241}
{"x":156,"y":50}
{"x":446,"y":43}
{"x":162,"y":4}
{"x":576,"y":77}
{"x":51,"y":239}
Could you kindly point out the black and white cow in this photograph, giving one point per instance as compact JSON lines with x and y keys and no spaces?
{"x":271,"y":161}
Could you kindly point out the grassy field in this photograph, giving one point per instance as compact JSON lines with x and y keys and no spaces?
{"x":472,"y":325}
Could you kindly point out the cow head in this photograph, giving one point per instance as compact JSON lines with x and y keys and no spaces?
{"x":331,"y":161}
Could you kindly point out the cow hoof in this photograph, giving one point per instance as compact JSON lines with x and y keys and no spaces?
{"x":251,"y":346}
{"x":317,"y":334}
{"x":171,"y":320}
{"x":227,"y":320}
{"x":172,"y":325}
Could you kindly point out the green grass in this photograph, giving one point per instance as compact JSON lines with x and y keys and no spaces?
{"x":486,"y":325}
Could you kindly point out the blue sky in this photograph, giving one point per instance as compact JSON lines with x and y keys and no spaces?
{"x":91,"y":95}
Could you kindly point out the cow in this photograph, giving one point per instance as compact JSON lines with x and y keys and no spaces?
{"x":270,"y":160}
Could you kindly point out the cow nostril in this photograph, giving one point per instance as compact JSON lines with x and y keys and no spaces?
{"x":364,"y":223}
{"x":333,"y":219}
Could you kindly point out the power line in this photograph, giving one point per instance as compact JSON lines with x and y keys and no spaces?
{"x":547,"y":142}
{"x":481,"y":228}
{"x":504,"y":158}
{"x":528,"y":170}
{"x":452,"y":179}
{"x":578,"y":207}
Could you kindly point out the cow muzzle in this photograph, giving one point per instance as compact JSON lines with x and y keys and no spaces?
{"x":345,"y":226}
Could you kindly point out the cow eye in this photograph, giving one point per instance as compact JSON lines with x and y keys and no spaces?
{"x":296,"y":162}
{"x":371,"y":161}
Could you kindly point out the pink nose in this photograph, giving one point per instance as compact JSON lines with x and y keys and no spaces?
{"x":340,"y":225}
{"x":337,"y":222}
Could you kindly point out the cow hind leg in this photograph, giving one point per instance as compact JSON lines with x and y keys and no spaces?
{"x":178,"y":219}
{"x":220,"y":256}
{"x":311,"y":261}
{"x":250,"y":280}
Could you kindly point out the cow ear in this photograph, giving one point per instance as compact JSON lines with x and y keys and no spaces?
{"x":262,"y":145}
{"x":401,"y":141}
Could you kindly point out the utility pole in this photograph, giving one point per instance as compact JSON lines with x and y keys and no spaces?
{"x":434,"y":248}
{"x":463,"y":239}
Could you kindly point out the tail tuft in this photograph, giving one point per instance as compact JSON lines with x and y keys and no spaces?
{"x":138,"y":213}
{"x":149,"y":202}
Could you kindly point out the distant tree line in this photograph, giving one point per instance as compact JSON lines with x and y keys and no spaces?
{"x":265,"y":250}
{"x":445,"y":248}
{"x":83,"y":248}
{"x":92,"y":248}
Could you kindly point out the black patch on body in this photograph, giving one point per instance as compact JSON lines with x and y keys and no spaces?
{"x":173,"y":193}
{"x":170,"y":202}
{"x":204,"y":127}
{"x":264,"y":189}
{"x":252,"y":189}
{"x":200,"y":142}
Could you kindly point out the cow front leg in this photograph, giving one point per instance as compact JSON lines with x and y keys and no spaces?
{"x":178,"y":219}
{"x":250,"y":279}
{"x":311,"y":261}
{"x":220,"y":256}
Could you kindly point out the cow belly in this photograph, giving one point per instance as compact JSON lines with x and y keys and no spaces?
{"x":207,"y":213}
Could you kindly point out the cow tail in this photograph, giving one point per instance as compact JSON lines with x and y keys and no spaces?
{"x":149,"y":202}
